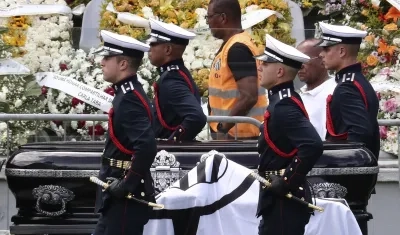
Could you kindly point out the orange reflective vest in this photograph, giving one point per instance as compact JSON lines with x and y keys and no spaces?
{"x":223,"y":92}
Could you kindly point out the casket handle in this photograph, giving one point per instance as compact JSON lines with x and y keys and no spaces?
{"x":52,"y":195}
{"x":51,"y":213}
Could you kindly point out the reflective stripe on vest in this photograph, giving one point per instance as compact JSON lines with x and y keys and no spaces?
{"x":223,"y":91}
{"x":229,"y":94}
{"x":253,"y":112}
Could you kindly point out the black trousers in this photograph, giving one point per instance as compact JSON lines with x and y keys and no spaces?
{"x":285,"y":217}
{"x":123,"y":217}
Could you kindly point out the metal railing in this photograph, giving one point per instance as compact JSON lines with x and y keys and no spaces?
{"x":103,"y":117}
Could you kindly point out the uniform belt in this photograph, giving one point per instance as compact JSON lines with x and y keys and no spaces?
{"x":277,"y":172}
{"x":117,"y":163}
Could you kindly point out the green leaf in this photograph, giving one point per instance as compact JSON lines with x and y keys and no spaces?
{"x":33,"y":92}
{"x":4,"y":107}
{"x":31,"y":87}
{"x":3,"y":30}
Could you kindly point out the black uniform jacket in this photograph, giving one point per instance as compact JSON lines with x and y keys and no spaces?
{"x":130,"y":137}
{"x":352,"y":110}
{"x":287,"y":141}
{"x":179,"y":115}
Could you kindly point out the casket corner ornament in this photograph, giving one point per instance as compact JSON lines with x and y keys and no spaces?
{"x":53,"y":195}
{"x":165,"y":170}
{"x":329,"y":190}
{"x":165,"y":159}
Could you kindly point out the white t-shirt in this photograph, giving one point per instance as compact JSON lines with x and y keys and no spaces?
{"x":315,"y":102}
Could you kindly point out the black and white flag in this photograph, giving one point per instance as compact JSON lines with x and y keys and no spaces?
{"x":218,"y":197}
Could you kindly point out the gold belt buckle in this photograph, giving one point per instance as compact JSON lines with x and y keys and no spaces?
{"x":278,"y":172}
{"x":119,"y":163}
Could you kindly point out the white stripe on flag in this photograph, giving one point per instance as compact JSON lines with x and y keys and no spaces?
{"x":192,"y":177}
{"x":209,"y":165}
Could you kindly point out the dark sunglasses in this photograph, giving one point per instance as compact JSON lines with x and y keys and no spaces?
{"x":207,"y":17}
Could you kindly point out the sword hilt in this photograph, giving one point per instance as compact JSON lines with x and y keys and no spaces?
{"x":290,"y":196}
{"x":129,"y":196}
{"x":98,"y":182}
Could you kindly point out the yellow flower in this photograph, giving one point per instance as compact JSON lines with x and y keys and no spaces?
{"x":16,"y":34}
{"x":272,"y":19}
{"x":364,"y":12}
{"x":306,"y":4}
{"x":390,"y":27}
{"x":285,"y":26}
{"x":283,"y":5}
{"x":372,"y":60}
{"x":370,"y":39}
{"x":201,"y":79}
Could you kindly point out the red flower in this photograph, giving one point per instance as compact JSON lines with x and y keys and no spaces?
{"x":44,"y":90}
{"x":378,"y":95}
{"x":63,"y":67}
{"x":81,"y":124}
{"x":98,"y":130}
{"x":75,"y":102}
{"x":110,"y":91}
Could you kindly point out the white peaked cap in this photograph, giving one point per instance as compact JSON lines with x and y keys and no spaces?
{"x":334,"y":34}
{"x":278,"y":52}
{"x":116,"y":44}
{"x":163,"y":32}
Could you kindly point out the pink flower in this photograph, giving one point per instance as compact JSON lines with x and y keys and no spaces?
{"x":383,"y":132}
{"x":378,"y":94}
{"x":390,"y":105}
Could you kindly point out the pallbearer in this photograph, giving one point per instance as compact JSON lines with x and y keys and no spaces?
{"x":179,"y":115}
{"x":288,"y":145}
{"x":352,"y":109}
{"x":130,"y":146}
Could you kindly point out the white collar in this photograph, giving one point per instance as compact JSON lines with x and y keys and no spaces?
{"x":317,"y":89}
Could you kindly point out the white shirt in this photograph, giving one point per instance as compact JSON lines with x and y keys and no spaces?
{"x":315,"y":103}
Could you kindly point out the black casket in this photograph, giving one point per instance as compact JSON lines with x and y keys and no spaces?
{"x":50,"y":181}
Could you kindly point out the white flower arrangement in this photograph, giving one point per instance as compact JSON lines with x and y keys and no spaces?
{"x":49,"y":49}
{"x":387,"y":85}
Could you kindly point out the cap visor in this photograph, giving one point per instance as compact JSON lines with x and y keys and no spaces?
{"x":104,"y":51}
{"x":153,"y":39}
{"x":325,"y":43}
{"x":266,"y":58}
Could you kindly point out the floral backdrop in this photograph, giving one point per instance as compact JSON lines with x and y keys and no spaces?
{"x":191,"y":15}
{"x":43,"y":44}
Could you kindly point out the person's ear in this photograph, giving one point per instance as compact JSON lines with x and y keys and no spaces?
{"x":342,"y":51}
{"x":168,"y":49}
{"x":280,"y":72}
{"x":123,"y":65}
{"x":224,"y":18}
